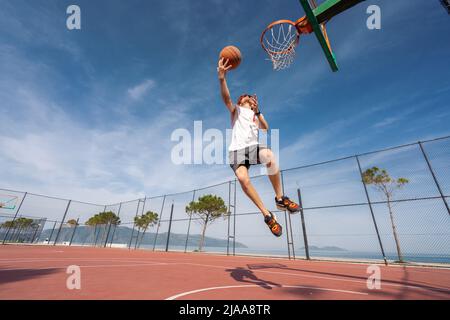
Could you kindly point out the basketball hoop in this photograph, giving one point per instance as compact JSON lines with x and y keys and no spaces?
{"x":280,"y":39}
{"x":8,"y":202}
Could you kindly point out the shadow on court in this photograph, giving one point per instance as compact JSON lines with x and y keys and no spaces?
{"x":405,"y":282}
{"x":7,"y":276}
{"x":245,"y":275}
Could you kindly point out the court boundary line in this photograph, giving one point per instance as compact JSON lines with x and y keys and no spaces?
{"x":174,"y":297}
{"x":300,"y":274}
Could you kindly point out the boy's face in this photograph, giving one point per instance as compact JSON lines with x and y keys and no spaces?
{"x":248,"y":100}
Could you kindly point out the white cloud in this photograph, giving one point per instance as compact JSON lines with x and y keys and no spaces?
{"x":49,"y":152}
{"x":386,"y":122}
{"x":141,"y":89}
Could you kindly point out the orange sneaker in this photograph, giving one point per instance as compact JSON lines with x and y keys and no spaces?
{"x":274,"y":226}
{"x":287,"y":204}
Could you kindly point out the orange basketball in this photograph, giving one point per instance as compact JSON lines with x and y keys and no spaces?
{"x":233,"y":55}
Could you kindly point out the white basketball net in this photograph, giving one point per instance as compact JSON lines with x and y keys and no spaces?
{"x":280,"y":42}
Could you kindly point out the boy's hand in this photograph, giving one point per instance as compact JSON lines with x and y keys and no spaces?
{"x":254,"y":104}
{"x":223,"y":67}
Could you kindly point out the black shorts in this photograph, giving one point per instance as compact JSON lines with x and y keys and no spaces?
{"x":245,"y":157}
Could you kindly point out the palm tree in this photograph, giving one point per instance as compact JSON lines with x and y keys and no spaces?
{"x":383,"y":183}
{"x":108,"y":218}
{"x":72,"y":223}
{"x":208,"y":208}
{"x":102,"y":218}
{"x":22,"y":224}
{"x":8,"y":225}
{"x":92,"y":223}
{"x":143,"y":222}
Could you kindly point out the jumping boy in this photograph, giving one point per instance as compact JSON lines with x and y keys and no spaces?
{"x":245,"y":150}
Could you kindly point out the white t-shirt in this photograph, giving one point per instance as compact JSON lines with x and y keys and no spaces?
{"x":245,"y":126}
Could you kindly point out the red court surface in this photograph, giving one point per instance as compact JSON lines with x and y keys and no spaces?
{"x":39,"y":272}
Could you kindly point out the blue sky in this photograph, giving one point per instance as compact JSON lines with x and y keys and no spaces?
{"x":88,"y":114}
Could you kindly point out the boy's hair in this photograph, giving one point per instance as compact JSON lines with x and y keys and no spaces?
{"x":246,"y":95}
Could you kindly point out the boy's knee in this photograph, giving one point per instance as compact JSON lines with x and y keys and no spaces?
{"x":244,"y":181}
{"x":268,"y":159}
{"x":243,"y":178}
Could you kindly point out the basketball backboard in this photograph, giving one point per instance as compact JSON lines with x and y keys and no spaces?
{"x":8,"y":202}
{"x":281,"y":37}
{"x":319,"y":29}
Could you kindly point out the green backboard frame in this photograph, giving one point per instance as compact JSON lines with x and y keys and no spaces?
{"x":318,"y":16}
{"x":319,"y":32}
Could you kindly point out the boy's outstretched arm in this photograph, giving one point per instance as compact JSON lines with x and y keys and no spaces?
{"x":222,"y":69}
{"x":262,"y":121}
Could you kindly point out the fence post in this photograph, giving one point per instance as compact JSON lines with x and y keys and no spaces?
{"x":231,"y":215}
{"x":137,"y":244}
{"x":434,"y":177}
{"x":15,"y":217}
{"x":134,"y":224}
{"x":302,"y":216}
{"x":98,"y":234}
{"x":51,"y":233}
{"x":287,"y":219}
{"x":16,"y":238}
{"x":14,"y":231}
{"x":35,"y":233}
{"x":107,"y":234}
{"x":170,"y":227}
{"x":189,"y":226}
{"x":39,"y":229}
{"x":159,"y":222}
{"x":30,"y":234}
{"x":62,"y":222}
{"x":94,"y":239}
{"x":234,"y":219}
{"x":371,"y":210}
{"x":229,"y":218}
{"x":115,"y":226}
{"x":101,"y":232}
{"x":74,"y":230}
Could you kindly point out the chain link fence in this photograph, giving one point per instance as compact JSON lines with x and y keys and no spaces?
{"x":342,"y":218}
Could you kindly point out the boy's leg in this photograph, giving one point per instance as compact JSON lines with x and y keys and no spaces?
{"x":249,"y":189}
{"x":268,"y":159}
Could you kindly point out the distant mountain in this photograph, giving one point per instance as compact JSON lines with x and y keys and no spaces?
{"x":326,"y":248}
{"x":85,"y":235}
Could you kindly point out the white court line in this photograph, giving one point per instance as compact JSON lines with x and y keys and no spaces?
{"x":223,"y":257}
{"x":443,"y":290}
{"x":350,"y":265}
{"x":253,"y":286}
{"x":337,"y":278}
{"x":446,"y":290}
